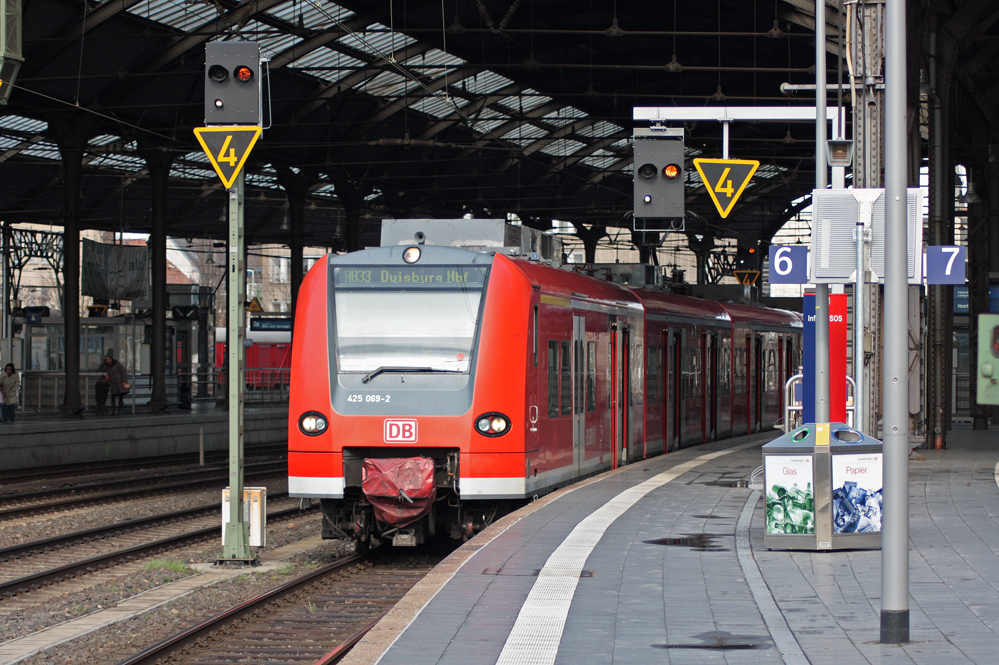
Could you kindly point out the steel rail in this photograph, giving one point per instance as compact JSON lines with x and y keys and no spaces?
{"x":28,"y":582}
{"x":22,"y":511}
{"x":54,"y":542}
{"x":157,"y":652}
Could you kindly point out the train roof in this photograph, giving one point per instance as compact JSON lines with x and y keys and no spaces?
{"x":571,"y":284}
{"x":762,"y":316}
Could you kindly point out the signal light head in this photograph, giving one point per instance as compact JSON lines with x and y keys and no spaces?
{"x":218,"y":73}
{"x":671,"y":171}
{"x":243,"y":74}
{"x":647,"y":171}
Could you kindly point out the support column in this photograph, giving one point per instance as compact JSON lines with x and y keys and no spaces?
{"x":296,"y":187}
{"x":71,"y":135}
{"x":701,"y":247}
{"x":590,"y":237}
{"x":978,"y":282}
{"x":351,"y":194}
{"x":158,"y":161}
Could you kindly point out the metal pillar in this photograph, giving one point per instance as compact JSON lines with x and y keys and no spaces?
{"x":71,"y":147}
{"x":237,"y":547}
{"x":895,"y":523}
{"x":866,"y":22}
{"x":821,"y":181}
{"x":158,"y":162}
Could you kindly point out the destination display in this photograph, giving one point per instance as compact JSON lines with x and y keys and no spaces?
{"x":434,"y":277}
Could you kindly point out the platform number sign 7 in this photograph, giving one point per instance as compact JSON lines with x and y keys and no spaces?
{"x":788,"y":264}
{"x":945,"y":264}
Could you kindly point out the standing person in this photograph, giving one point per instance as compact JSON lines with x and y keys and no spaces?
{"x":10,"y":384}
{"x":119,"y":382}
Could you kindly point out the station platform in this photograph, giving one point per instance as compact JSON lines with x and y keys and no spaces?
{"x":663,"y":562}
{"x":51,"y":439}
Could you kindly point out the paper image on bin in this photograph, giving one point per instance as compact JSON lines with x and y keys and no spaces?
{"x":856,"y":497}
{"x":790,"y":499}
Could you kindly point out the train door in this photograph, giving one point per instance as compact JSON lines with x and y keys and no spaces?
{"x":664,"y":386}
{"x":676,"y":379}
{"x":625,"y":392}
{"x":757,"y":383}
{"x":540,"y":378}
{"x":781,"y":367}
{"x":709,"y":409}
{"x":615,"y":397}
{"x":619,"y":392}
{"x":578,"y":392}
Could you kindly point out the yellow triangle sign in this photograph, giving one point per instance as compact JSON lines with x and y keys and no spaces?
{"x":227,"y":149}
{"x":725,"y":180}
{"x":747,"y":277}
{"x":255,"y":306}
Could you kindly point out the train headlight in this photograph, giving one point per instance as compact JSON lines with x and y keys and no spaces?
{"x":492,"y":424}
{"x":313,"y":423}
{"x":411,"y":255}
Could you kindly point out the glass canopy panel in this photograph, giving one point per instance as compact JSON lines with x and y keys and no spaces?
{"x":388,"y":84}
{"x":601,"y":159}
{"x":327,"y":64}
{"x":19,"y":123}
{"x":43,"y":149}
{"x":310,"y":17}
{"x":525,"y":132}
{"x":600,"y":129}
{"x":435,"y":105}
{"x":184,"y":16}
{"x":563,"y":147}
{"x":377,"y":41}
{"x":528,"y":99}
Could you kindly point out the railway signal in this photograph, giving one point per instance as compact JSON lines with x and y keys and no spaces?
{"x":232,"y":83}
{"x":658,"y":177}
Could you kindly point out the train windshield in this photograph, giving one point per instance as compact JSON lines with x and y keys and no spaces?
{"x":407,"y":317}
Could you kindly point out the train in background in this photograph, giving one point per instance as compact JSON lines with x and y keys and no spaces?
{"x":435,"y":388}
{"x":268,"y":357}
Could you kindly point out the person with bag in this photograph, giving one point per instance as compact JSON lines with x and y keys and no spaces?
{"x":118,"y":380}
{"x":10,"y":384}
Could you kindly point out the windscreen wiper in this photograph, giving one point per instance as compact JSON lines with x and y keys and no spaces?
{"x":386,"y":368}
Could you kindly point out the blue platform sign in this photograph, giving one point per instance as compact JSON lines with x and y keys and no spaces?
{"x":945,"y":264}
{"x":788,"y":265}
{"x":808,"y":359}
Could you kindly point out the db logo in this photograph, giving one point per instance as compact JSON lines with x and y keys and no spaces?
{"x":400,"y":431}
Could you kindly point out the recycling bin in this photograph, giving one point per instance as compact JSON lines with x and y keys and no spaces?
{"x":822,"y":484}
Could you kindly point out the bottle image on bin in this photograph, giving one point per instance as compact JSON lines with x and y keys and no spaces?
{"x":791,"y":509}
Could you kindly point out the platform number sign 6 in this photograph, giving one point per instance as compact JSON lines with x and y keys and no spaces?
{"x":945,"y":264}
{"x":788,"y":264}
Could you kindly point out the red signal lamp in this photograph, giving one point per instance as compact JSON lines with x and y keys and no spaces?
{"x":671,"y":171}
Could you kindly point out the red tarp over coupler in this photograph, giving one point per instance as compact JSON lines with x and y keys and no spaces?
{"x":401,"y":490}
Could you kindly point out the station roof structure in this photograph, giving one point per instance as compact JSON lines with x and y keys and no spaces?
{"x":413,"y":108}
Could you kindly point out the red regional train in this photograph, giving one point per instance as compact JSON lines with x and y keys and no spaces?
{"x":434,"y":388}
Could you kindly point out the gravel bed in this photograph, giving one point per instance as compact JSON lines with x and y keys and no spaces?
{"x":26,"y":529}
{"x":120,"y":640}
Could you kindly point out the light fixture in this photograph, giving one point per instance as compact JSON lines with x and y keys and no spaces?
{"x":839,"y":152}
{"x":970,"y":196}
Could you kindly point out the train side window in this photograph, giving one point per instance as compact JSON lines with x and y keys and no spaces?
{"x":535,"y":335}
{"x":552,"y":378}
{"x":591,"y":376}
{"x":566,"y":400}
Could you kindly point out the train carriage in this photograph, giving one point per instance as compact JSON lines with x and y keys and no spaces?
{"x":434,"y":388}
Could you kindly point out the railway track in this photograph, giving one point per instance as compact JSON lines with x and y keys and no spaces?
{"x":105,"y":491}
{"x":52,"y":473}
{"x":314,"y":619}
{"x":118,"y":544}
